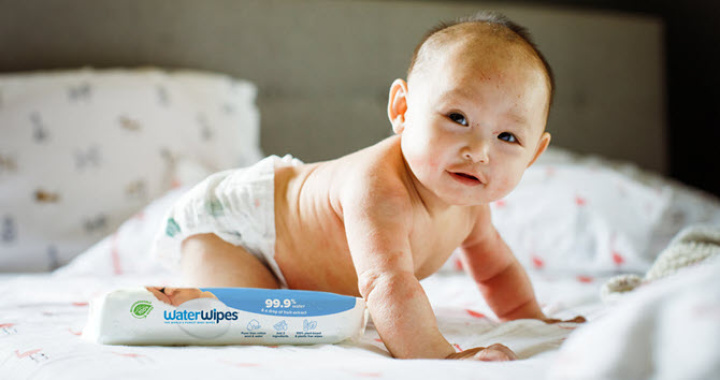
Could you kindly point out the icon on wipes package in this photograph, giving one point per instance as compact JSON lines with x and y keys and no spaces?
{"x":253,"y":325}
{"x":309,"y":325}
{"x":281,"y":326}
{"x":141,"y":309}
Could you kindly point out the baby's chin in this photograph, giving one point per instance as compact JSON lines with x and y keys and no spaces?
{"x":473,"y":200}
{"x":466,"y":201}
{"x":470,"y":203}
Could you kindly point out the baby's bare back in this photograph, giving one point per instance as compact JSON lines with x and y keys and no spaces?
{"x":311,"y":245}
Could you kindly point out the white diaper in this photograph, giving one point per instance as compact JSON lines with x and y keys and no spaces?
{"x":237,"y":205}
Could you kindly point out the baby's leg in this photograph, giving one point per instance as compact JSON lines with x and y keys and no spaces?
{"x":208,"y":261}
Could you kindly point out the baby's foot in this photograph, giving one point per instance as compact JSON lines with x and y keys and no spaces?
{"x":494,"y":353}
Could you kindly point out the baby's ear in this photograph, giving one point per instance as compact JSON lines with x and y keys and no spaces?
{"x":542,"y":146}
{"x":397,"y":105}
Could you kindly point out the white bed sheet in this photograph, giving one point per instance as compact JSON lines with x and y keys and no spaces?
{"x":42,"y":317}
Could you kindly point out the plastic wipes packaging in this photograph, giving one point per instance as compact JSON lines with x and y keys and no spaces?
{"x":217,"y":316}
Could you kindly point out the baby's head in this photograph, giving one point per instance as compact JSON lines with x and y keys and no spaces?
{"x":472,"y":113}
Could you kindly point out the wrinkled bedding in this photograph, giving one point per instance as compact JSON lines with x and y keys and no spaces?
{"x":669,"y":329}
{"x":43,"y":316}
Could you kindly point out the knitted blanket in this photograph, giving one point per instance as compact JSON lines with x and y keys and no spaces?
{"x":693,"y":245}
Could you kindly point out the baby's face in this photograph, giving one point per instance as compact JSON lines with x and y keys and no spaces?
{"x":474,"y":122}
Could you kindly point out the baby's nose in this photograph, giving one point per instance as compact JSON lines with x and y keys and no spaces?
{"x":476,"y":152}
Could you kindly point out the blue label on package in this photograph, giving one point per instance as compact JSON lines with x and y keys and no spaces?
{"x":282,"y":302}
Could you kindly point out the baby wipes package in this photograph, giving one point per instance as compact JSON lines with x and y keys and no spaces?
{"x":216,"y":316}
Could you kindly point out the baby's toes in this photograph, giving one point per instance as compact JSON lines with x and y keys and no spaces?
{"x":496,"y":353}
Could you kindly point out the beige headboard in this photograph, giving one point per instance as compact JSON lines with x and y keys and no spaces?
{"x":323,"y":67}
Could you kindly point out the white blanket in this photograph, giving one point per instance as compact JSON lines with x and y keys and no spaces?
{"x":669,"y":329}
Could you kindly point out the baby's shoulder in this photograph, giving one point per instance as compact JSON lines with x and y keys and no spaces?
{"x":376,"y":172}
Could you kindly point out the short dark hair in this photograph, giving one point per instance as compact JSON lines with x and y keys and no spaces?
{"x":500,"y":21}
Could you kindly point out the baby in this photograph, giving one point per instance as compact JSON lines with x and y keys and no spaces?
{"x":468,"y":122}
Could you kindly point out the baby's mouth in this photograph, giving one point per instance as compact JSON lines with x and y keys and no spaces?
{"x":465,"y":178}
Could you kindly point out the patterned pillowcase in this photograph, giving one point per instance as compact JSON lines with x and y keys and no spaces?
{"x":81,"y":151}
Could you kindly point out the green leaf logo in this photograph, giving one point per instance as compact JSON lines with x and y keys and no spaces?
{"x":141,"y":309}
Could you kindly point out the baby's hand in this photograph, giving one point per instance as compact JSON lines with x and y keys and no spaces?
{"x":578,"y":319}
{"x":159,"y":293}
{"x":495,"y":353}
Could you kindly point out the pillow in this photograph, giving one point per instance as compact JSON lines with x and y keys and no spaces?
{"x":126,"y":250}
{"x":584,"y":215}
{"x":81,"y":151}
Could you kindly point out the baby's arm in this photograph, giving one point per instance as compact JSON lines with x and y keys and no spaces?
{"x":500,"y":277}
{"x":377,"y":228}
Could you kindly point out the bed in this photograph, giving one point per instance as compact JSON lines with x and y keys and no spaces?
{"x":111,"y":111}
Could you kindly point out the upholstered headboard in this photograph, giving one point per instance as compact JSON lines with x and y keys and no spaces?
{"x":323,"y":67}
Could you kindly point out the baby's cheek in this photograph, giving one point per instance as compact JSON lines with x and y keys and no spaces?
{"x":433,"y":163}
{"x":433,"y":158}
{"x":504,"y":185}
{"x":422,"y":160}
{"x":418,"y":162}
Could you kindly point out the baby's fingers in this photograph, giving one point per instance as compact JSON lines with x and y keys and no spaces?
{"x":578,"y":319}
{"x":467,"y":354}
{"x":494,"y":353}
{"x":156,"y":291}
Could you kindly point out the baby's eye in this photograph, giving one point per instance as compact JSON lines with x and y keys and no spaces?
{"x":458,"y":118}
{"x":509,"y":137}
